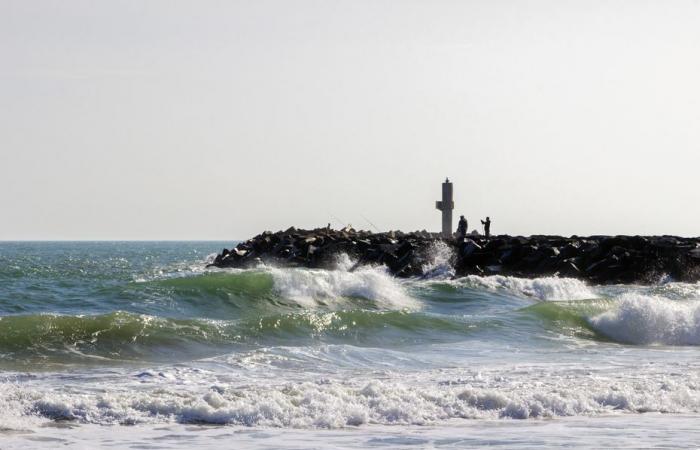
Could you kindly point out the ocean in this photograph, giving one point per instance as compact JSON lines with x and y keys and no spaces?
{"x":137,"y":345}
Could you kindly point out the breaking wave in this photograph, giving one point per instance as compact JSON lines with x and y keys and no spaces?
{"x":307,"y":288}
{"x":629,"y":318}
{"x":646,"y":320}
{"x":122,"y":336}
{"x":311,"y":287}
{"x":546,"y":288}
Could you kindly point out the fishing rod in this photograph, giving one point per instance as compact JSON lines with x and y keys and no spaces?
{"x":370,"y":222}
{"x":340,"y":222}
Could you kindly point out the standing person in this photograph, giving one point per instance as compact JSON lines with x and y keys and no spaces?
{"x":462,"y":227}
{"x":487,"y":227}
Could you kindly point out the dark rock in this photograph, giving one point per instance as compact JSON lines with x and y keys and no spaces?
{"x":600,"y":259}
{"x":494,"y":269}
{"x":569,"y":269}
{"x":569,"y":250}
{"x":507,"y":255}
{"x":470,"y":247}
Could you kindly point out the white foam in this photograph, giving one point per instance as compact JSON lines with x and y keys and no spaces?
{"x":336,"y":403}
{"x":646,"y":319}
{"x":440,"y":263}
{"x":546,"y":288}
{"x":309,"y":287}
{"x":14,"y":414}
{"x":677,"y":290}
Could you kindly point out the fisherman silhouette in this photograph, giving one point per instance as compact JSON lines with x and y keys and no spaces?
{"x":487,"y":226}
{"x":462,"y":227}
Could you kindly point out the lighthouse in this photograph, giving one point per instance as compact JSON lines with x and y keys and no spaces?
{"x":446,"y":205}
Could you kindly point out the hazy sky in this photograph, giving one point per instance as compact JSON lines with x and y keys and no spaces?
{"x":220,"y":119}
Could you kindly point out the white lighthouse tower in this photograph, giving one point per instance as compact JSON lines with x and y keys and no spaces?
{"x":446,"y":206}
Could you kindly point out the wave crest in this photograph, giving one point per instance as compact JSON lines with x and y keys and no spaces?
{"x":309,"y":287}
{"x":545,"y":289}
{"x":646,"y":320}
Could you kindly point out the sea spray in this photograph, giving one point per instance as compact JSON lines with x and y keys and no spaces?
{"x":545,"y":289}
{"x":309,"y":287}
{"x":644,"y":320}
{"x":440,"y":261}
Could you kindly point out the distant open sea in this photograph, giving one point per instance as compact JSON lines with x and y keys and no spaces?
{"x":137,"y":345}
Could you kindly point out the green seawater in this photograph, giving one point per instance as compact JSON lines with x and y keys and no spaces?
{"x":117,"y":302}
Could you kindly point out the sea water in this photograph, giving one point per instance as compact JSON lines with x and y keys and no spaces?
{"x":137,"y":344}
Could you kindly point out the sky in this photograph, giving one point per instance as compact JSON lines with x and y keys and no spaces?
{"x":167,"y":119}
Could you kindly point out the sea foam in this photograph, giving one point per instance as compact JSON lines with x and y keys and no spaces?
{"x":440,"y":261}
{"x":545,"y":289}
{"x":338,"y":403}
{"x":308,"y":287}
{"x":646,"y":319}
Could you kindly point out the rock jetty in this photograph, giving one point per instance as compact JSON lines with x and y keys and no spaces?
{"x":598,"y":259}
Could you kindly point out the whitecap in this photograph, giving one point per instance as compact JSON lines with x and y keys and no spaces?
{"x":647,"y":319}
{"x":308,"y":287}
{"x":545,"y":288}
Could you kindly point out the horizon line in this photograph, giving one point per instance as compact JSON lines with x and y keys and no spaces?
{"x":241,"y":240}
{"x":118,"y":240}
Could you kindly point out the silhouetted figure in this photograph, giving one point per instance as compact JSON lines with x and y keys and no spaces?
{"x":461,"y":227}
{"x":487,"y":227}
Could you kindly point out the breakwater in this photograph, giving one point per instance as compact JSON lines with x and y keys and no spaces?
{"x":599,"y":259}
